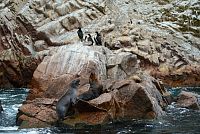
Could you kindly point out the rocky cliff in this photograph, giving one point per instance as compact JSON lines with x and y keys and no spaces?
{"x":169,"y":52}
{"x":39,"y":46}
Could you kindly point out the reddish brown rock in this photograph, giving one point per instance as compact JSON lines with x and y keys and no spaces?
{"x":107,"y":102}
{"x":185,"y":76}
{"x":47,"y":115}
{"x":136,"y":101}
{"x":121,"y":65}
{"x":16,"y":62}
{"x":43,"y":101}
{"x":188,"y":100}
{"x":126,"y":100}
{"x":29,"y":110}
{"x":40,"y":110}
{"x":53,"y":76}
{"x":91,"y":118}
{"x":29,"y":122}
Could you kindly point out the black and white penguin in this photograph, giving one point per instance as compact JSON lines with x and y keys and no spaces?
{"x":80,"y":34}
{"x":85,"y":38}
{"x":98,"y":39}
{"x":89,"y":39}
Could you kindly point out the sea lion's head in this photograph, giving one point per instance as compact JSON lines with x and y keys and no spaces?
{"x":75,"y":83}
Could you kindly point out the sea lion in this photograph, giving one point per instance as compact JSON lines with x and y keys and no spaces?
{"x":97,"y":39}
{"x":80,"y":34}
{"x":94,"y":91}
{"x":1,"y":108}
{"x":67,"y":100}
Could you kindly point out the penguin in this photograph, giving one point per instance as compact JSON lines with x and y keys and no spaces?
{"x":80,"y":34}
{"x":89,"y":39}
{"x":85,"y":38}
{"x":131,"y":22}
{"x":98,"y":39}
{"x":109,"y":21}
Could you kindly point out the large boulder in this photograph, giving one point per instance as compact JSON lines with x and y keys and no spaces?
{"x":55,"y":72}
{"x":128,"y":99}
{"x":121,"y":65}
{"x":122,"y":99}
{"x":134,"y":96}
{"x":188,"y":100}
{"x":37,"y":113}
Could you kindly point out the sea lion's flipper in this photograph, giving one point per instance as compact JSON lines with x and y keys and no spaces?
{"x":73,"y":100}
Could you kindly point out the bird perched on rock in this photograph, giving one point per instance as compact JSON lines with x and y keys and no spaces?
{"x":85,"y":38}
{"x":80,"y":34}
{"x":89,"y":39}
{"x":109,"y":21}
{"x":98,"y":39}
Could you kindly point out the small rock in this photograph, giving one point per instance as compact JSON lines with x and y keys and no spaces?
{"x":40,"y":45}
{"x":107,"y":29}
{"x":188,"y":100}
{"x":29,"y":109}
{"x":44,"y":101}
{"x":47,"y":115}
{"x":136,"y":78}
{"x":29,"y":122}
{"x":125,"y":40}
{"x":144,"y":45}
{"x":103,"y":101}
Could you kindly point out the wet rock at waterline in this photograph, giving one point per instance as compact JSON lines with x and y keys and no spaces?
{"x":123,"y":99}
{"x":188,"y":100}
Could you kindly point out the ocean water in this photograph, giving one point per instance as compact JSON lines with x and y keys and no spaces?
{"x":177,"y":120}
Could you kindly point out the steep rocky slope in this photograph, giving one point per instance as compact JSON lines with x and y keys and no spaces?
{"x":29,"y":28}
{"x":39,"y":46}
